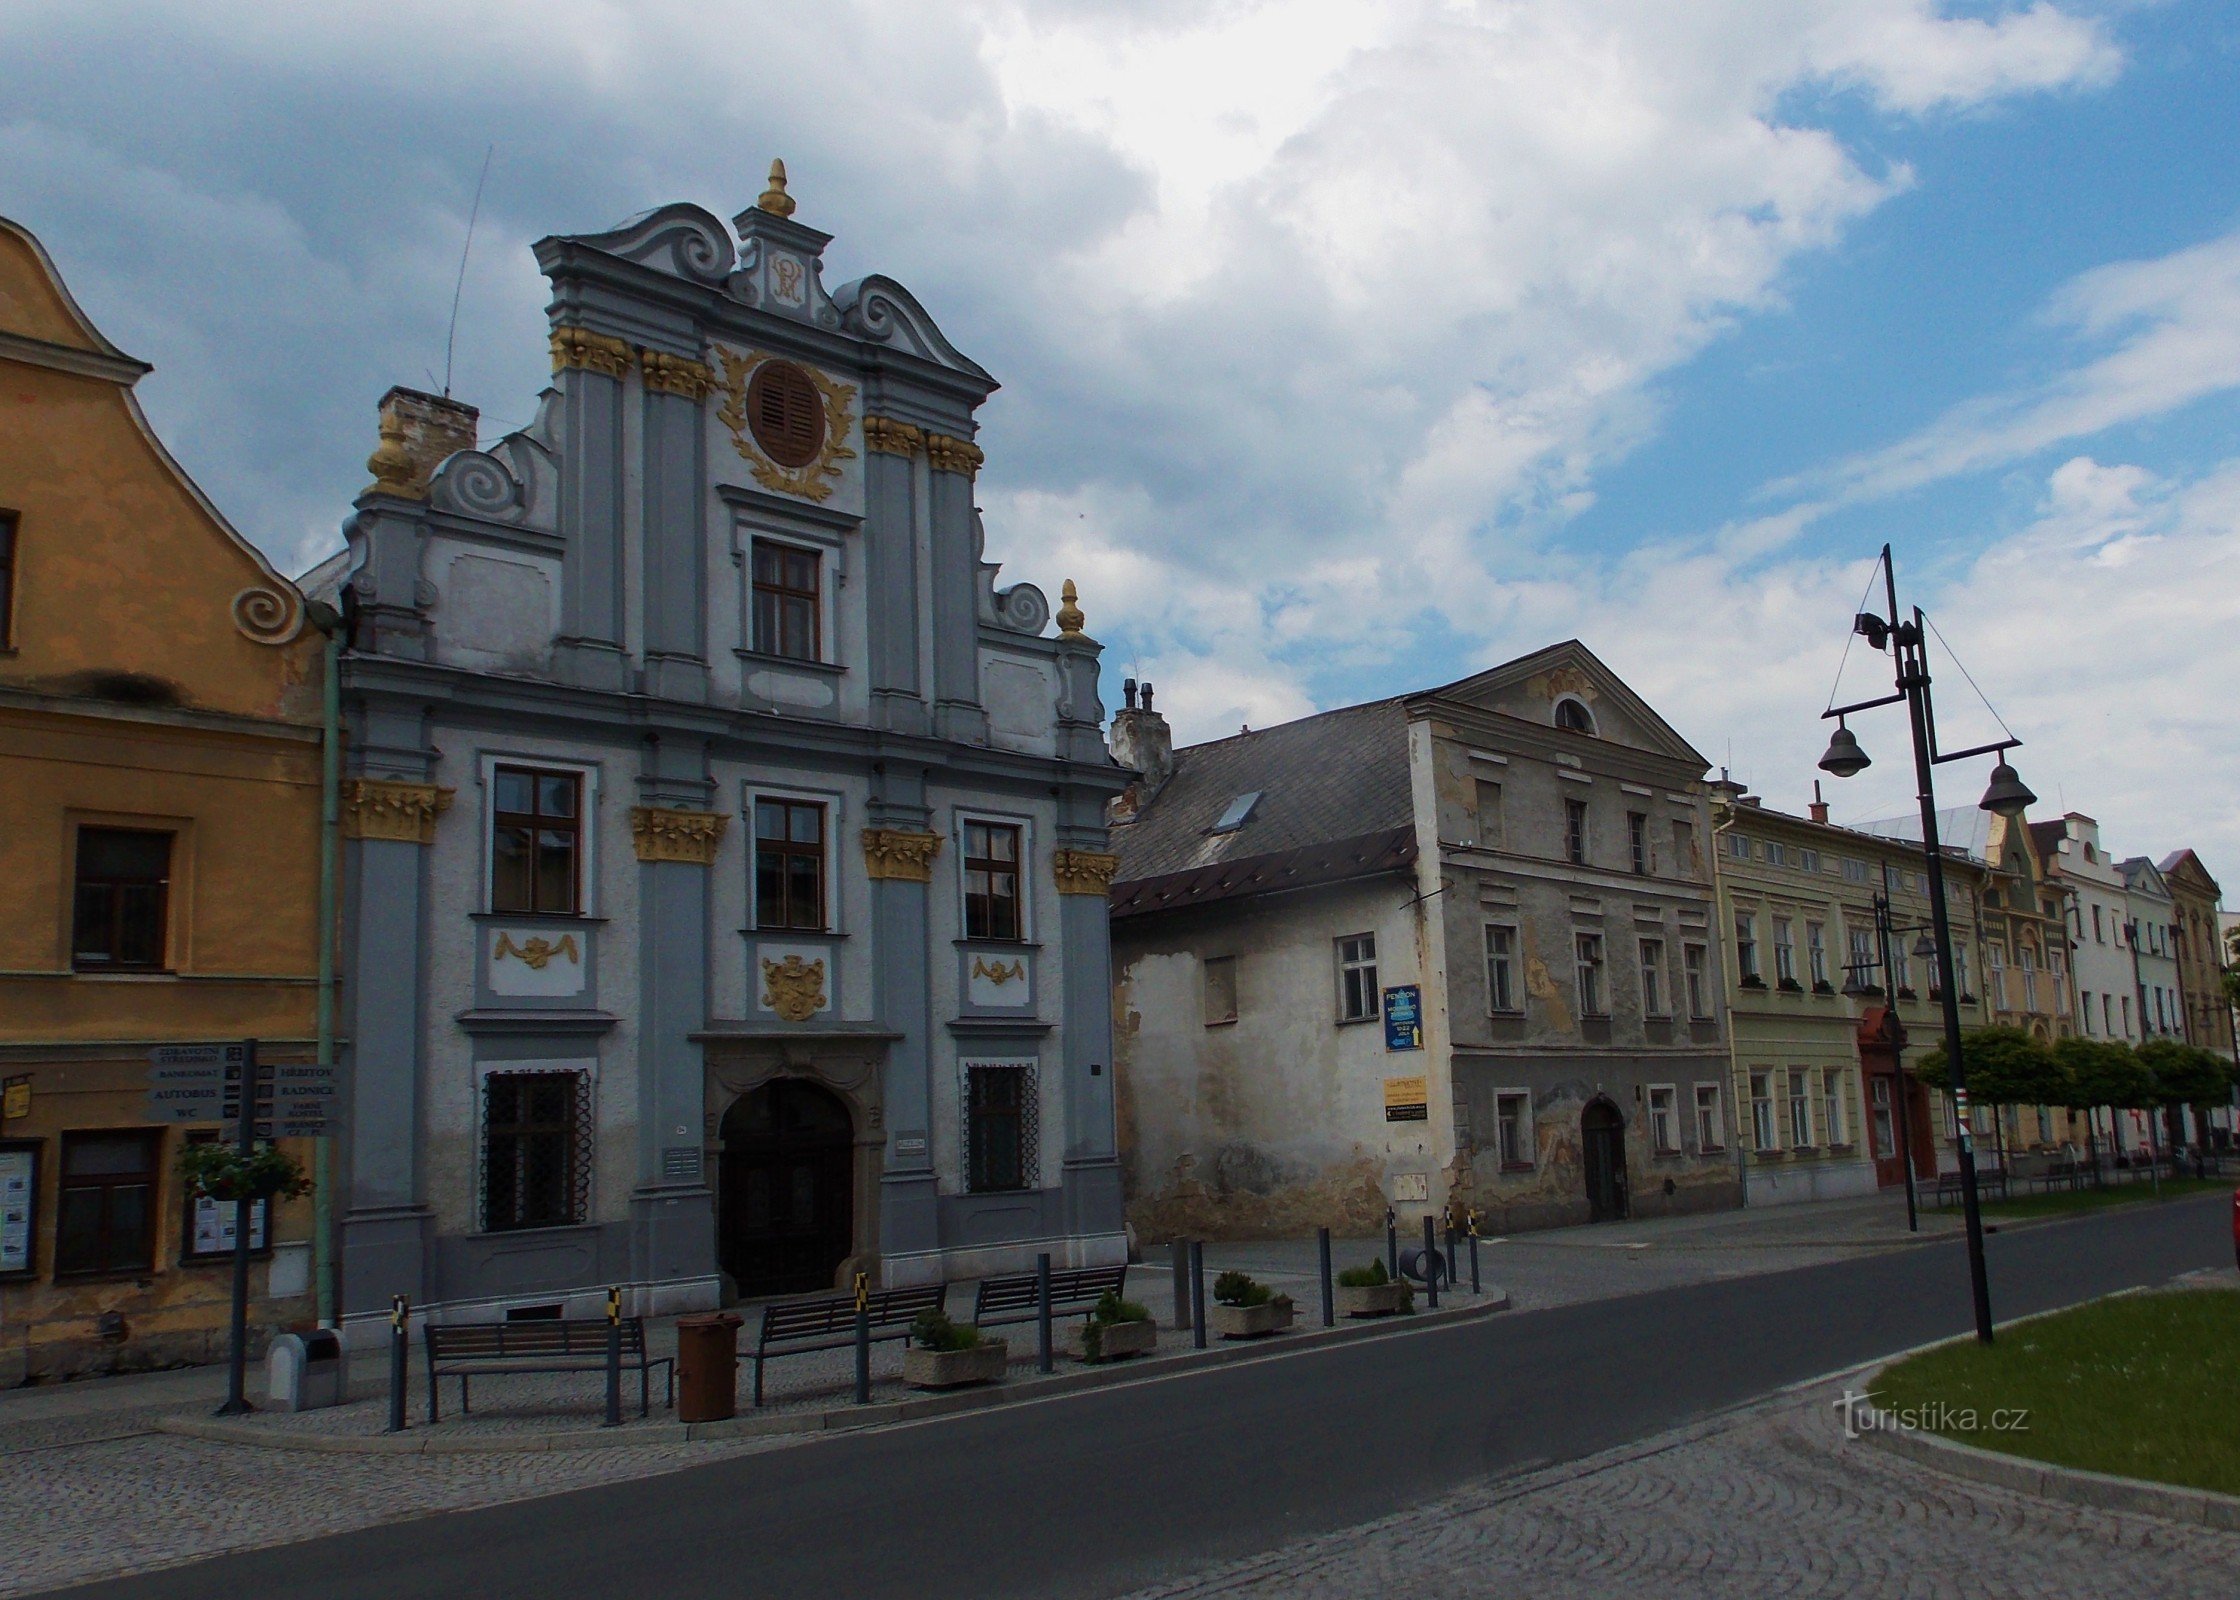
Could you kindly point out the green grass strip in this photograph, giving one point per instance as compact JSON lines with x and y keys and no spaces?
{"x":2054,"y":1202}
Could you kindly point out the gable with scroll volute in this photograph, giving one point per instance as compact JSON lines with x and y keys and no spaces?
{"x":125,"y":573}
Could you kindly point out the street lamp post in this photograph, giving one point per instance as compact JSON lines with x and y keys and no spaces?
{"x":1894,"y":1031}
{"x":2006,"y":796}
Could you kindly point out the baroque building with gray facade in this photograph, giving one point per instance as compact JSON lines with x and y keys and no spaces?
{"x":724,"y":853}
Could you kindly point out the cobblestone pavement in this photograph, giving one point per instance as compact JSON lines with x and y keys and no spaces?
{"x":1770,"y":1500}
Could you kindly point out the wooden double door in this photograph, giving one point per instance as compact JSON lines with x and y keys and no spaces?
{"x":786,"y":1188}
{"x":1602,"y":1148}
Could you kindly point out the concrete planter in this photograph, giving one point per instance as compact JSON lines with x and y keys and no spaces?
{"x":953,"y":1369}
{"x":1248,"y":1322}
{"x":1372,"y":1299}
{"x":1115,"y":1340}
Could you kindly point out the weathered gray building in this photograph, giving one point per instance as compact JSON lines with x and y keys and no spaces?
{"x":726,"y":859}
{"x":1453,"y":946}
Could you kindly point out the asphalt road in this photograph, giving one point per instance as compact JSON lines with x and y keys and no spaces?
{"x":1096,"y":1493}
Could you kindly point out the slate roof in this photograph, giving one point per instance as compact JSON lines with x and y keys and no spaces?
{"x":1323,"y":780}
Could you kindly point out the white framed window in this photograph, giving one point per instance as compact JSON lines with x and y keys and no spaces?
{"x":1738,"y":846}
{"x":1219,"y":977}
{"x":1809,"y":860}
{"x":1637,"y":842}
{"x":1695,"y":961}
{"x":1784,"y":950}
{"x":1575,"y":831}
{"x":1960,"y":967}
{"x":1711,"y":1127}
{"x":1800,"y":1108}
{"x":1854,"y":870}
{"x":1833,"y":1082}
{"x":793,"y":859}
{"x":1862,"y":969}
{"x":1588,"y":949}
{"x":1513,"y":1119}
{"x":995,"y":876}
{"x":1816,"y":952}
{"x":1357,"y":977}
{"x":1761,"y":1111}
{"x":1777,"y":853}
{"x":1652,"y":978}
{"x":1746,"y":947}
{"x":1664,"y":1119}
{"x":1501,"y":977}
{"x":532,"y":860}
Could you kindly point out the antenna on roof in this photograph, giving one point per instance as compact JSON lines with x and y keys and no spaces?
{"x":451,"y":333}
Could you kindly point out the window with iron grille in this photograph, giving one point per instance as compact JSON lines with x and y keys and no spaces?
{"x":105,"y":1221}
{"x":991,"y":881}
{"x":123,"y":900}
{"x":1000,"y":1134}
{"x":7,"y":580}
{"x":536,"y":840}
{"x":789,"y":861}
{"x":787,"y":601}
{"x":1357,"y":977}
{"x":536,"y":1150}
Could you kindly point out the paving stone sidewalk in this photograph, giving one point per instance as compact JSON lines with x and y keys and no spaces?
{"x":1771,"y":1500}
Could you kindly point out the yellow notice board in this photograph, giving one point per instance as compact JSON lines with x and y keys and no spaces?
{"x":1407,"y":1099}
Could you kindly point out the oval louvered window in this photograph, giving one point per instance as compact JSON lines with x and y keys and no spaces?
{"x":786,"y":413}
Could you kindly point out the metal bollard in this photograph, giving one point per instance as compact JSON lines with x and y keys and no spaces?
{"x":614,"y":1358}
{"x":1042,"y":1311}
{"x":1474,"y":1285}
{"x":1391,"y":1242}
{"x":1447,"y":1230}
{"x":1329,"y":1299}
{"x":1198,"y":1294}
{"x":1181,"y":1285}
{"x":1431,"y":1263}
{"x":863,"y":1338}
{"x":400,"y":1349}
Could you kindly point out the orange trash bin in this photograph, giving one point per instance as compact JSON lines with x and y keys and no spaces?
{"x":708,"y":1366}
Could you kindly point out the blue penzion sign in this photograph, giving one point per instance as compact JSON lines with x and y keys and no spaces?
{"x":1403,"y":1018}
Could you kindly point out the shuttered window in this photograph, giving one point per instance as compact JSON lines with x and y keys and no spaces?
{"x":786,"y":413}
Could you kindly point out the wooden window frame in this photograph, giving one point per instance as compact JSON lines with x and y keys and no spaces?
{"x":785,"y":851}
{"x":993,"y":867}
{"x":1358,"y":995}
{"x":1591,"y":963}
{"x":537,"y":822}
{"x":1637,"y":841}
{"x":162,"y":913}
{"x":1575,"y":831}
{"x":1707,"y":1100}
{"x":148,"y":1177}
{"x":1652,"y":978}
{"x":1695,"y":975}
{"x":1501,"y":996}
{"x":771,"y":641}
{"x":1664,"y":1134}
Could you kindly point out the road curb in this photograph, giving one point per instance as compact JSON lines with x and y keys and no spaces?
{"x":837,"y":1419}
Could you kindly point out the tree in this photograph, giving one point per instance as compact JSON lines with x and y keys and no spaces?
{"x":2102,"y":1072}
{"x":2187,"y":1075}
{"x":2006,"y":1067}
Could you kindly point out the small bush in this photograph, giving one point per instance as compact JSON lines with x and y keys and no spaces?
{"x":1236,"y":1289}
{"x":1111,"y":1308}
{"x":934,"y":1331}
{"x":1367,"y":1277}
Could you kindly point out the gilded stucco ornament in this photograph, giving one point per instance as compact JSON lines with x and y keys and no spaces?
{"x":379,"y":808}
{"x":813,"y":481}
{"x":794,"y":987}
{"x":774,"y":199}
{"x":537,"y":952}
{"x":1084,"y":871}
{"x":1070,"y":617}
{"x":953,"y":455}
{"x":664,"y":835}
{"x":667,"y":374}
{"x":593,"y":352}
{"x":892,"y":437}
{"x":900,"y":854}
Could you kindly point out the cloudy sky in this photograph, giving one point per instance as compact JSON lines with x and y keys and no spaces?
{"x":1347,"y":348}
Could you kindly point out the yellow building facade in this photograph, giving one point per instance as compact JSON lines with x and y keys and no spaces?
{"x":160,"y":803}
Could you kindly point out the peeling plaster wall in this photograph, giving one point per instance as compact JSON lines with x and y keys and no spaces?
{"x":1272,"y":1125}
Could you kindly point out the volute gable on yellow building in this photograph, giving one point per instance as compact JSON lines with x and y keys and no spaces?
{"x":125,"y":582}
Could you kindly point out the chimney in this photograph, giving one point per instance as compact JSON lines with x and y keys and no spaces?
{"x":1726,"y":791}
{"x":1819,"y":807}
{"x":1141,"y":740}
{"x":418,"y":431}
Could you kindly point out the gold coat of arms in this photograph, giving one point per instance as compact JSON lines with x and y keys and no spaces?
{"x":793,"y":988}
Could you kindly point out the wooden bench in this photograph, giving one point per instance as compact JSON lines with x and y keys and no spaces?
{"x":461,"y":1349}
{"x":796,"y":1327}
{"x":1019,"y":1298}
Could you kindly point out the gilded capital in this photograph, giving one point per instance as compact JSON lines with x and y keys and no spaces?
{"x":667,"y":374}
{"x":953,"y":455}
{"x":378,"y":808}
{"x":664,"y":835}
{"x":1084,"y":871}
{"x":895,"y":438}
{"x":900,"y":854}
{"x":593,"y":352}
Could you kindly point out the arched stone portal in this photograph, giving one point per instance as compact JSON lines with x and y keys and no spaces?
{"x":786,"y":1218}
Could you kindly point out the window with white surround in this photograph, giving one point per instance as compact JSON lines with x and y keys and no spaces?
{"x":1664,"y":1119}
{"x":1809,"y":860}
{"x":541,"y":855}
{"x":1761,"y":1111}
{"x":1800,"y":1108}
{"x":1513,"y":1116}
{"x":1695,"y":962}
{"x":1784,"y":951}
{"x":1575,"y":831}
{"x":1854,"y":870}
{"x":1652,"y":978}
{"x":1637,"y":841}
{"x":1816,"y":952}
{"x":1588,"y":948}
{"x":992,"y":861}
{"x":1863,"y":968}
{"x":1501,"y":978}
{"x":1711,"y":1129}
{"x":1746,"y":947}
{"x":1832,"y":1119}
{"x":1357,"y":977}
{"x":1960,"y":966}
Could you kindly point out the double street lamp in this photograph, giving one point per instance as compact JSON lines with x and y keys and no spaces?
{"x":1907,"y":641}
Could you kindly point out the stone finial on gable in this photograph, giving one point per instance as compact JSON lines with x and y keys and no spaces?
{"x":774,"y":199}
{"x":1070,"y":617}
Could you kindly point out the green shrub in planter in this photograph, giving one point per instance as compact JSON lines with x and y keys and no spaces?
{"x":1236,"y":1289}
{"x":1367,"y":1277}
{"x":934,"y":1331}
